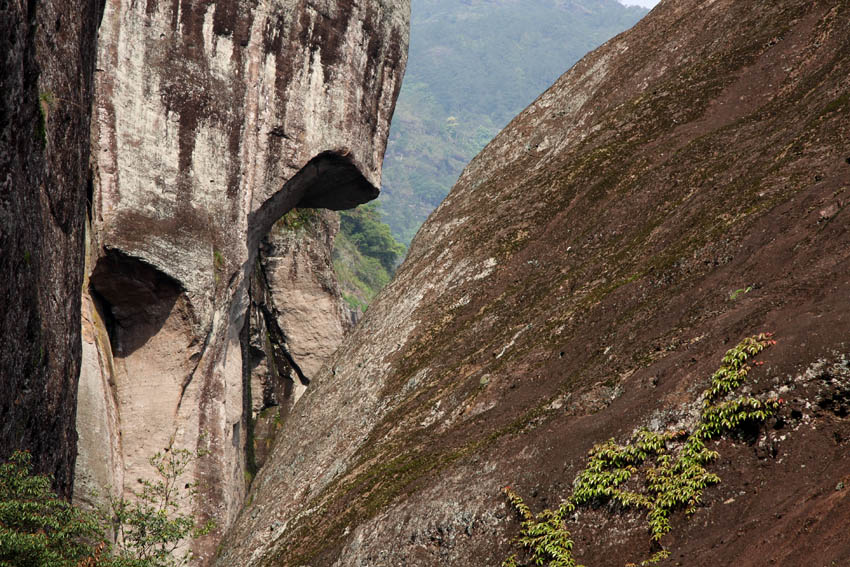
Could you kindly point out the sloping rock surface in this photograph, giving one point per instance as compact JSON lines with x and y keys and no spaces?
{"x":46,"y":68}
{"x":682,"y":187}
{"x":212,"y":120}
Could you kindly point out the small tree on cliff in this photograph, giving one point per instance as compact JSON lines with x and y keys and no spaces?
{"x":150,"y":526}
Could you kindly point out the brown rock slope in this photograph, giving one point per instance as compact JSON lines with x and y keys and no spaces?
{"x":46,"y":67}
{"x":682,"y":187}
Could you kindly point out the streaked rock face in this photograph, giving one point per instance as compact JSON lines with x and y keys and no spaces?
{"x":211,"y":120}
{"x":579,"y":283}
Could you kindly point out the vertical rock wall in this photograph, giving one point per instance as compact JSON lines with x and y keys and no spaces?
{"x":212,"y":120}
{"x":297,"y":321}
{"x":46,"y":66}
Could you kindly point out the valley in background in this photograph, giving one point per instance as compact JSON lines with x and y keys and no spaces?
{"x":472,"y":66}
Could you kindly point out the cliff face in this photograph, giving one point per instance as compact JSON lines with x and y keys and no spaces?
{"x":682,"y":187}
{"x":211,"y":121}
{"x":46,"y":67}
{"x":298,"y":318}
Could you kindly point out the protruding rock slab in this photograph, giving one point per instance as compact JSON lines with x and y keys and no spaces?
{"x":298,"y":269}
{"x":298,"y":317}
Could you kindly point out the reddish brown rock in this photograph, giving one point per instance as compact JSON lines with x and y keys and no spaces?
{"x":682,"y":187}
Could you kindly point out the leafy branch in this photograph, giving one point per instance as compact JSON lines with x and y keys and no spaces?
{"x":150,"y":526}
{"x":38,"y":529}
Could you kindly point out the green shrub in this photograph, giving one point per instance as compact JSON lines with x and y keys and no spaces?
{"x":296,"y":219}
{"x":672,"y":466}
{"x":150,"y":527}
{"x":37,"y":528}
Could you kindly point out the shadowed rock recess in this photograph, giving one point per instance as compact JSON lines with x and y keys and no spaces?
{"x":682,"y":187}
{"x":212,"y":120}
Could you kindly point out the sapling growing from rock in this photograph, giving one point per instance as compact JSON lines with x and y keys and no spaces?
{"x":39,"y":529}
{"x":152,"y":524}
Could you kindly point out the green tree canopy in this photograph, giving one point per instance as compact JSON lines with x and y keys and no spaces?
{"x":37,"y":528}
{"x":364,"y":227}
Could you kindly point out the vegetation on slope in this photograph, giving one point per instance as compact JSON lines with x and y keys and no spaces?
{"x":669,"y":466}
{"x":472,"y":67}
{"x":365,"y":255}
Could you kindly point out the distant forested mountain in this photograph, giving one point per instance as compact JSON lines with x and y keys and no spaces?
{"x":473,"y":65}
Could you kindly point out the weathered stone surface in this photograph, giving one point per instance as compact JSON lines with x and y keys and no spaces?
{"x":99,"y":467}
{"x":297,"y":317}
{"x":578,"y":283}
{"x":298,"y":270}
{"x":211,"y":120}
{"x":46,"y":67}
